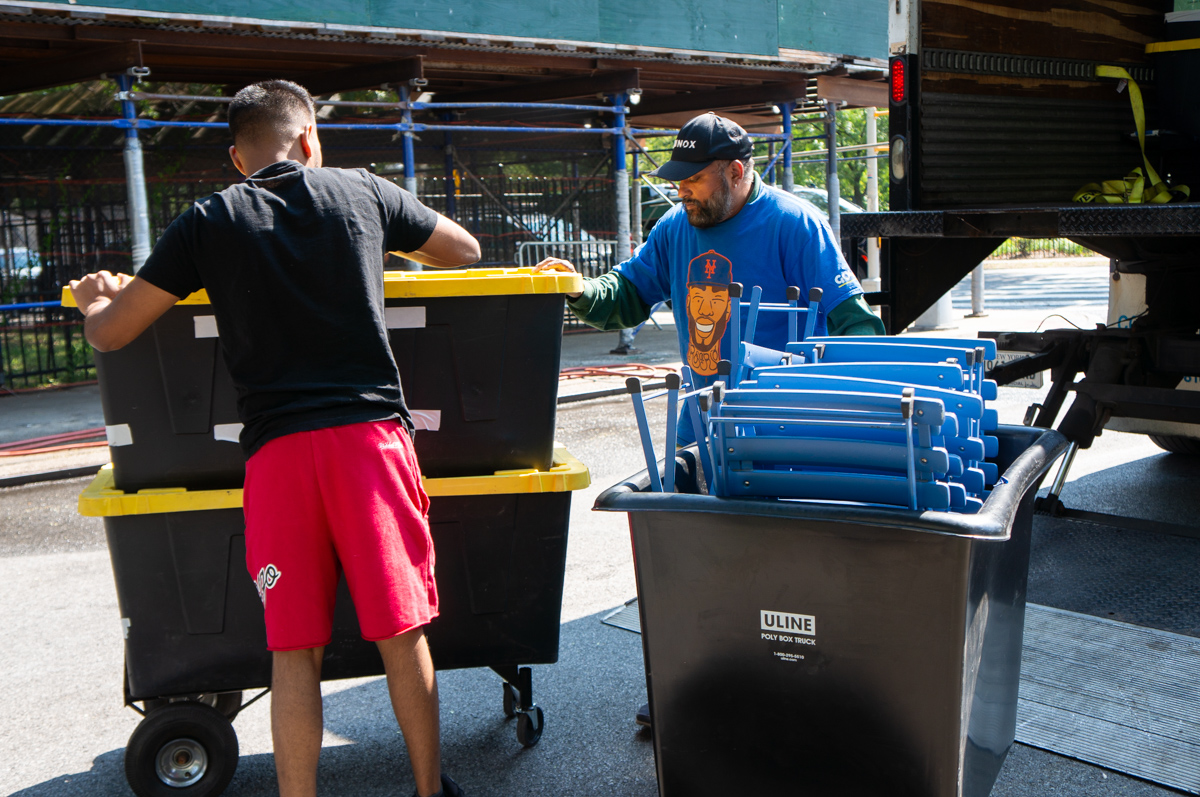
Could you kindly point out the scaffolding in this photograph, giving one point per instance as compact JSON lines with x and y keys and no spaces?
{"x":621,"y":142}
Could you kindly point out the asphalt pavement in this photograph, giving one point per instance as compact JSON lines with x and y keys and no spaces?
{"x":64,"y":728}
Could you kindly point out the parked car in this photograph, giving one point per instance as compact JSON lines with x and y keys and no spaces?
{"x":820,"y":198}
{"x":20,"y":263}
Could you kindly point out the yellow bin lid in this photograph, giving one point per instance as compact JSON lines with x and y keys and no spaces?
{"x":477,"y":282}
{"x":102,"y":499}
{"x":449,"y":282}
{"x":1171,"y":47}
{"x":199,"y":297}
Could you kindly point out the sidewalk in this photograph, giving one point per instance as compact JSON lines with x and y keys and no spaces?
{"x":29,"y":415}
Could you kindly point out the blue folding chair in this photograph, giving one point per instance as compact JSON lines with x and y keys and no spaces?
{"x":972,"y":354}
{"x":748,"y":461}
{"x":756,"y":306}
{"x":943,"y":375}
{"x":966,"y":409}
{"x":634,"y":386}
{"x":987,"y":344}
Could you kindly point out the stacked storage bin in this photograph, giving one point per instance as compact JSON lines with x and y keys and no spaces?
{"x":478,"y":351}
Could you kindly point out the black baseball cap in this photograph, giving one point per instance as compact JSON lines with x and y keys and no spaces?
{"x":701,"y":141}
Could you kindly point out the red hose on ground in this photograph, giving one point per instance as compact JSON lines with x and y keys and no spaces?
{"x":64,"y":441}
{"x":639,"y":370}
{"x":21,"y":452}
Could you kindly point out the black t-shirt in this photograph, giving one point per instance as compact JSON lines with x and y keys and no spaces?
{"x":292,"y":260}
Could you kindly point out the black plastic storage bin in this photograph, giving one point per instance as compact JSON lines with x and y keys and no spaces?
{"x":478,"y":354}
{"x":808,"y":648}
{"x":1177,"y":78}
{"x":193,"y":621}
{"x":170,"y":407}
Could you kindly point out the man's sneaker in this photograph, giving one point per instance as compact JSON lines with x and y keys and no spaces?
{"x":449,"y":789}
{"x":643,"y":716}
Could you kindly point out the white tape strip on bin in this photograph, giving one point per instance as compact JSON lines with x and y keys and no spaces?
{"x":227,"y":432}
{"x":394,"y":318}
{"x":404,"y":317}
{"x":119,"y":435}
{"x":426,"y":420}
{"x":206,"y":326}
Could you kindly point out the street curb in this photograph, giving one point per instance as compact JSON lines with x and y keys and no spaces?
{"x":48,"y":476}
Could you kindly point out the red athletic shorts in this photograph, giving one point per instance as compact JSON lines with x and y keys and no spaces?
{"x":346,"y":498}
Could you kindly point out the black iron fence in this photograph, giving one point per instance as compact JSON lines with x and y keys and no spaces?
{"x":54,"y":231}
{"x":502,"y":211}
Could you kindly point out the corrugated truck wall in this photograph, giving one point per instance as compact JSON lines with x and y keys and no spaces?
{"x":1010,"y":108}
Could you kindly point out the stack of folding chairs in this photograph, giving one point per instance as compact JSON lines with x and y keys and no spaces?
{"x":876,"y":420}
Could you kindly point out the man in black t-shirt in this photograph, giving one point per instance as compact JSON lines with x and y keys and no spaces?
{"x":292,"y":260}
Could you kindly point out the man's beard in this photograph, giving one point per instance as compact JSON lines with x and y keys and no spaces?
{"x":715,"y":209}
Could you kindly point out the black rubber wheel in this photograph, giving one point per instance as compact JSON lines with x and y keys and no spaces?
{"x":529,"y":730}
{"x":1177,"y":444}
{"x":184,"y":749}
{"x":511,"y":700}
{"x":228,"y":703}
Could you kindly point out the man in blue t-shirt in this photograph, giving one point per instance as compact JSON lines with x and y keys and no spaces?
{"x":728,"y":227}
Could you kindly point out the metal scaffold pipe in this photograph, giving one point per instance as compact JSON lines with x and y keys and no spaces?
{"x":135,"y":181}
{"x":789,"y":180}
{"x":635,"y":201}
{"x":451,"y":188}
{"x":872,"y":282}
{"x":832,"y":186}
{"x":410,"y":159}
{"x":620,"y":177}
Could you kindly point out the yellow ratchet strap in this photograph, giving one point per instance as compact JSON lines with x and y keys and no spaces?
{"x":1137,"y":187}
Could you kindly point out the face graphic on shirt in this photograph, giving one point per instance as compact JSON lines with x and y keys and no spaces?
{"x":708,"y":278}
{"x":708,"y":314}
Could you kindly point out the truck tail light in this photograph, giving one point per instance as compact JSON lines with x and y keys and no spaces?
{"x":899,"y":86}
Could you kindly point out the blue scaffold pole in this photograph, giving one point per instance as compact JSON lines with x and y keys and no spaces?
{"x":786,"y":109}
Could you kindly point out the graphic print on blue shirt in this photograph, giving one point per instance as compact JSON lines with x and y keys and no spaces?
{"x":709,"y":276}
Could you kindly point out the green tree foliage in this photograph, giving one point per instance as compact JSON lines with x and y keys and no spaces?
{"x":852,"y":167}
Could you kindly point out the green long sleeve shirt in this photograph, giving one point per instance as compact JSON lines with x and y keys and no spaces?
{"x":612,"y":302}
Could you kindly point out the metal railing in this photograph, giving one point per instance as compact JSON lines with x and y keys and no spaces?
{"x":590,"y":258}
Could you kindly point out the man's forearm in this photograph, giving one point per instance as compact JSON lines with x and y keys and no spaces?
{"x":853,"y":317}
{"x":610,"y":302}
{"x":117,"y":312}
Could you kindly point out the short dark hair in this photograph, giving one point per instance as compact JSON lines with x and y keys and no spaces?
{"x":271,"y":108}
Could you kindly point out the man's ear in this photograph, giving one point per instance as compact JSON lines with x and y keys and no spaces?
{"x":237,"y":161}
{"x":306,"y":140}
{"x":739,"y":170}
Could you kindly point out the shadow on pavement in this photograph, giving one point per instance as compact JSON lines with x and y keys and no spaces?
{"x":590,"y":744}
{"x":1136,"y":577}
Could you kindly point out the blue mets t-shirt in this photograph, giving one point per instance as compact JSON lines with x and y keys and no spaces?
{"x":776,"y":240}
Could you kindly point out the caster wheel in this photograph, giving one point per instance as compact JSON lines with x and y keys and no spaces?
{"x":511,"y":700}
{"x":185,"y":749}
{"x":529,"y":729}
